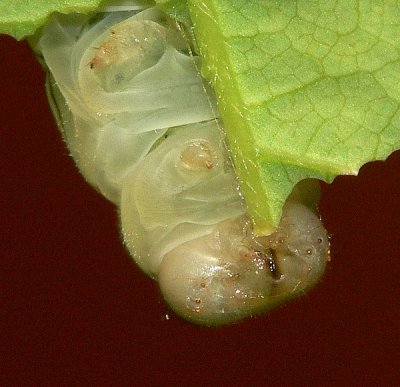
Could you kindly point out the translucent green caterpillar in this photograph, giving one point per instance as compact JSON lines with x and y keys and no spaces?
{"x":143,"y":129}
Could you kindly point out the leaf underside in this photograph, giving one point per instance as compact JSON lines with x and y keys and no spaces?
{"x":22,"y":18}
{"x":306,"y":88}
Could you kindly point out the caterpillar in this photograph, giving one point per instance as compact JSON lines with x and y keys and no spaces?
{"x":143,"y":128}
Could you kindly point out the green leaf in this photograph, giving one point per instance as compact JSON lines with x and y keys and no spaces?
{"x":178,"y":9}
{"x":306,"y":89}
{"x":21,"y":18}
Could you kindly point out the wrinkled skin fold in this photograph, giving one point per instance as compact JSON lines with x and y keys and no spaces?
{"x":143,"y":129}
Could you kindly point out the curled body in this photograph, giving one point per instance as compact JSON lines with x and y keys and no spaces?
{"x":143,"y":129}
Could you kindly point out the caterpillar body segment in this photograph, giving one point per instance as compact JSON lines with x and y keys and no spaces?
{"x":104,"y":104}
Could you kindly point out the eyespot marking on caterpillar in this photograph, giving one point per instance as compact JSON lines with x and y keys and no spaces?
{"x":198,"y":155}
{"x":138,"y":39}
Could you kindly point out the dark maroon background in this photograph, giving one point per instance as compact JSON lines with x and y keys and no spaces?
{"x":75,"y":310}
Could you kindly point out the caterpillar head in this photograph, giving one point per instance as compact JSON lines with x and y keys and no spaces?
{"x":231,"y":274}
